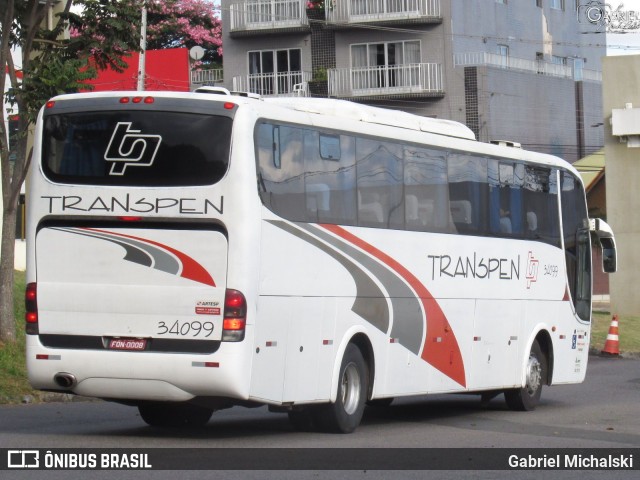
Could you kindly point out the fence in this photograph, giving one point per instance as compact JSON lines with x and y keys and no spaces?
{"x":386,"y":80}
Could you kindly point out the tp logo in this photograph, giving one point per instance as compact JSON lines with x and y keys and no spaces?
{"x":130,"y":147}
{"x":23,"y":459}
{"x":532,"y":270}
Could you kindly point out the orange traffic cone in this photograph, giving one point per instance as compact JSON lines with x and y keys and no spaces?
{"x":612,"y":345}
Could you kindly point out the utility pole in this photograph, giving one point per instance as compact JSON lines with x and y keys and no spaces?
{"x":143,"y":48}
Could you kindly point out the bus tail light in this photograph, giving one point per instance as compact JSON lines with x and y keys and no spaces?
{"x":31,"y":309}
{"x":235,"y":316}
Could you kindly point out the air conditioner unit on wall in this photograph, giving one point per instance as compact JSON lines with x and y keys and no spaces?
{"x":625,"y":124}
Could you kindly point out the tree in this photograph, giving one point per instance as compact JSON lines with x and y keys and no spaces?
{"x":51,"y":65}
{"x":185,"y":23}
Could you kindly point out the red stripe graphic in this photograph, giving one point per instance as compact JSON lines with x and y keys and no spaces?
{"x":440,"y":348}
{"x":191,"y":269}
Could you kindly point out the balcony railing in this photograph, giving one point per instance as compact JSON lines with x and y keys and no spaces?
{"x":206,"y":77}
{"x":417,"y":79}
{"x":591,"y":76}
{"x":272,"y":84}
{"x":360,"y":11}
{"x":268,"y":15}
{"x":520,"y":64}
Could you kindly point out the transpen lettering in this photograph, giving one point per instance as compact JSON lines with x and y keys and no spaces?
{"x":127,"y":204}
{"x":475,"y":267}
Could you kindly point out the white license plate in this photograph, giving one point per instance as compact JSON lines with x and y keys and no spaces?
{"x":137,"y":344}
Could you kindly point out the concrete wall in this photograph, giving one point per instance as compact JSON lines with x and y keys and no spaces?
{"x":480,"y":25}
{"x":621,"y":80}
{"x":592,"y":115}
{"x":539,"y":111}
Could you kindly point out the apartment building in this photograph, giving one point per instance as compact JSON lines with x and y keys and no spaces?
{"x":522,"y":70}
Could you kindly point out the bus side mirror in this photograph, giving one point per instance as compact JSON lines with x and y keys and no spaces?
{"x":609,"y":256}
{"x":608,"y":242}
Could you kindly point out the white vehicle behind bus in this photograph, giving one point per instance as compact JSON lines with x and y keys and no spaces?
{"x":189,"y":252}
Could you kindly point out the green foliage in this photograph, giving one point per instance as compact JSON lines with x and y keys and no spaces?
{"x":55,"y":77}
{"x":100,"y":36}
{"x":320,"y":74}
{"x":104,"y":31}
{"x":13,"y":370}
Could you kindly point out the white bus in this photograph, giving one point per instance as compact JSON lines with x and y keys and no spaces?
{"x":189,"y":252}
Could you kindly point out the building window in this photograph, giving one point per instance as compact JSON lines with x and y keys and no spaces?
{"x":273,"y":72}
{"x":578,"y":66}
{"x":539,"y":3}
{"x":385,"y":65}
{"x":556,"y":60}
{"x":557,"y":4}
{"x":503,"y":54}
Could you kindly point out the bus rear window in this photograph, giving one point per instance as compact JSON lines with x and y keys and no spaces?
{"x":150,"y":148}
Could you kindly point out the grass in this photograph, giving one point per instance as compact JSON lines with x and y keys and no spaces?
{"x":13,"y":372}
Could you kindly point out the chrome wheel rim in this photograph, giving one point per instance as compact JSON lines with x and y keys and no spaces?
{"x":350,"y":389}
{"x":534,"y":375}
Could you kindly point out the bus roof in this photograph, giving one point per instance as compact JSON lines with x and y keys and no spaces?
{"x":368,"y":114}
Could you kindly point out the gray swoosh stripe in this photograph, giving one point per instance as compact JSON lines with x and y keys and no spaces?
{"x":408,"y":318}
{"x":370,"y":303}
{"x":147,"y":255}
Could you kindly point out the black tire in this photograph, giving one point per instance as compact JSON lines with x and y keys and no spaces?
{"x":174,"y":415}
{"x":527,"y":397}
{"x":345,"y":414}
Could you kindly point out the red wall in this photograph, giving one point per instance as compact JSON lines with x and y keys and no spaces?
{"x":165,"y":70}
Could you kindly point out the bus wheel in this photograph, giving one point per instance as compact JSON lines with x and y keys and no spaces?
{"x":527,"y":397}
{"x":167,"y":414}
{"x":345,"y":414}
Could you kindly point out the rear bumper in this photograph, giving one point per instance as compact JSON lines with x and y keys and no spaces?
{"x":120,"y":375}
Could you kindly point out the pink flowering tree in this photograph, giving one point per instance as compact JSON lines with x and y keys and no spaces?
{"x":315,"y":5}
{"x":185,"y":23}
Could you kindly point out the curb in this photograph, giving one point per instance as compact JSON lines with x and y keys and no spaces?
{"x":48,"y":397}
{"x":593,"y":352}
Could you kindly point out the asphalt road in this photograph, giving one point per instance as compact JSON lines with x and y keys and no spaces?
{"x":603,"y":412}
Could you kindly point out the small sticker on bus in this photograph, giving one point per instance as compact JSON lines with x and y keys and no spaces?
{"x":208,"y":310}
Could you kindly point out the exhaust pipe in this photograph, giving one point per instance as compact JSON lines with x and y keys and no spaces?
{"x":65,"y":380}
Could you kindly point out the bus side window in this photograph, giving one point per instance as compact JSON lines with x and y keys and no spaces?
{"x":426,"y":190}
{"x":329,"y":147}
{"x":540,"y":198}
{"x":281,"y":165}
{"x":468,"y":192}
{"x":277,"y":162}
{"x":264,"y":154}
{"x":380,"y":183}
{"x":330,"y":178}
{"x":576,"y":243}
{"x":505,"y":198}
